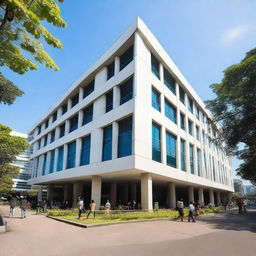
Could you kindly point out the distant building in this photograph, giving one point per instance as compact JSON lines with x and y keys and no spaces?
{"x":249,"y":189}
{"x":22,"y":161}
{"x":238,"y":186}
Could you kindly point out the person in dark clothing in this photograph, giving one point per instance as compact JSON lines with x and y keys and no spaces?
{"x":23,"y":207}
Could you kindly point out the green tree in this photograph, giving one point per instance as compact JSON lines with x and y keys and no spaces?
{"x":10,"y":147}
{"x":235,"y":108}
{"x":21,"y":33}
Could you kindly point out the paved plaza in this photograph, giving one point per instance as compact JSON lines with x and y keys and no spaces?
{"x":221,"y":234}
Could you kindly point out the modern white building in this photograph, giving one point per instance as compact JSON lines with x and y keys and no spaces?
{"x":20,"y":181}
{"x":131,"y":128}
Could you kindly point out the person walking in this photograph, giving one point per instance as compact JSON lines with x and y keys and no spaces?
{"x":180,"y":207}
{"x":13,"y":203}
{"x":92,"y":209}
{"x":80,"y":207}
{"x":23,"y":206}
{"x":191,"y":209}
{"x":108,"y":207}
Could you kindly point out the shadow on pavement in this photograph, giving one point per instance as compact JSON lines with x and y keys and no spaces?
{"x":231,"y":220}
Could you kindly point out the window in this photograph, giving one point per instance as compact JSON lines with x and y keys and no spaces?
{"x":182,"y":155}
{"x":46,"y":124}
{"x":45,"y":139}
{"x":71,"y":156}
{"x":110,"y":70}
{"x":39,"y":143}
{"x":39,"y":129}
{"x":62,"y":130}
{"x":191,"y":158}
{"x":87,"y":114}
{"x":109,"y":101}
{"x":155,"y":66}
{"x":197,"y":113}
{"x":51,"y":169}
{"x":54,"y":116}
{"x":85,"y":151}
{"x":74,"y":100}
{"x":156,"y":142}
{"x":190,"y":105}
{"x":182,"y":95}
{"x":125,"y":137}
{"x":170,"y":111}
{"x":88,"y":89}
{"x":126,"y":91}
{"x":156,"y":103}
{"x":107,"y":143}
{"x":52,"y":136}
{"x":171,"y":150}
{"x":190,"y":127}
{"x":60,"y":158}
{"x":64,"y":109}
{"x":44,"y":164}
{"x":169,"y":81}
{"x":182,"y":121}
{"x":197,"y":133}
{"x":73,"y":123}
{"x":198,"y":162}
{"x":126,"y":58}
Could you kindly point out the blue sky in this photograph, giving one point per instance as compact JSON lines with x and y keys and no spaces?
{"x":202,"y":37}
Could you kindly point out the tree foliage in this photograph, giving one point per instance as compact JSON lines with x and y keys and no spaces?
{"x":10,"y":147}
{"x":21,"y":33}
{"x":235,"y":108}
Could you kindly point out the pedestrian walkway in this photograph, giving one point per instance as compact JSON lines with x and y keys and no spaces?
{"x":211,"y":235}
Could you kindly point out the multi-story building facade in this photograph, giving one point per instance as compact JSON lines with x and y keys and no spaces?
{"x":131,"y":128}
{"x":238,"y":186}
{"x":20,"y":181}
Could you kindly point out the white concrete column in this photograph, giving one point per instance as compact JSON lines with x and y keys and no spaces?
{"x":218,"y":198}
{"x":96,"y":145}
{"x":78,"y":151}
{"x":134,"y":191}
{"x":57,"y":132}
{"x":113,"y":189}
{"x":67,"y":126}
{"x":117,"y":64}
{"x":80,"y":118}
{"x":178,"y":159}
{"x":40,"y":193}
{"x":96,"y":190}
{"x":163,"y":145}
{"x":81,"y":93}
{"x":146,"y":192}
{"x":187,"y":156}
{"x":116,"y":96}
{"x":171,"y":195}
{"x":77,"y":192}
{"x":114,"y":140}
{"x":49,"y":192}
{"x":211,"y":196}
{"x":59,"y":113}
{"x":126,"y":193}
{"x":201,"y":196}
{"x":65,"y":155}
{"x":69,"y":104}
{"x":161,"y":72}
{"x":191,"y":194}
{"x":56,"y":154}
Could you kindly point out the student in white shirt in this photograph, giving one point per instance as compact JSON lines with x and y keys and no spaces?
{"x":191,"y":209}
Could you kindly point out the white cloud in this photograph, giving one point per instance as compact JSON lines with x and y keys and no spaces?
{"x":235,"y":33}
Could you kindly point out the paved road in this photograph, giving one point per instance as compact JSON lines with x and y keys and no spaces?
{"x":223,"y":234}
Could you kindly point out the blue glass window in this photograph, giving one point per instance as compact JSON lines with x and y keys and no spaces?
{"x":88,"y":89}
{"x":107,"y":143}
{"x":44,"y":164}
{"x":74,"y":100}
{"x":60,"y":158}
{"x":156,"y":102}
{"x":190,"y":127}
{"x":54,"y":116}
{"x":156,"y":142}
{"x":182,"y":95}
{"x":171,"y":150}
{"x":182,"y":155}
{"x":73,"y":123}
{"x":169,"y":81}
{"x":51,"y":169}
{"x":126,"y":91}
{"x":170,"y":111}
{"x":191,"y":158}
{"x":182,"y":122}
{"x":46,"y":124}
{"x":52,"y":136}
{"x":36,"y":167}
{"x":125,"y":137}
{"x":87,"y":114}
{"x":109,"y":101}
{"x":190,"y":105}
{"x":199,"y":162}
{"x":71,"y":156}
{"x":62,"y":130}
{"x":126,"y":58}
{"x":45,"y":139}
{"x":110,"y":70}
{"x":155,"y":66}
{"x":85,"y":152}
{"x":64,"y":109}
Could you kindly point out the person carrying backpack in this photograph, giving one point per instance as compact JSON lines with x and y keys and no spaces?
{"x":180,"y":207}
